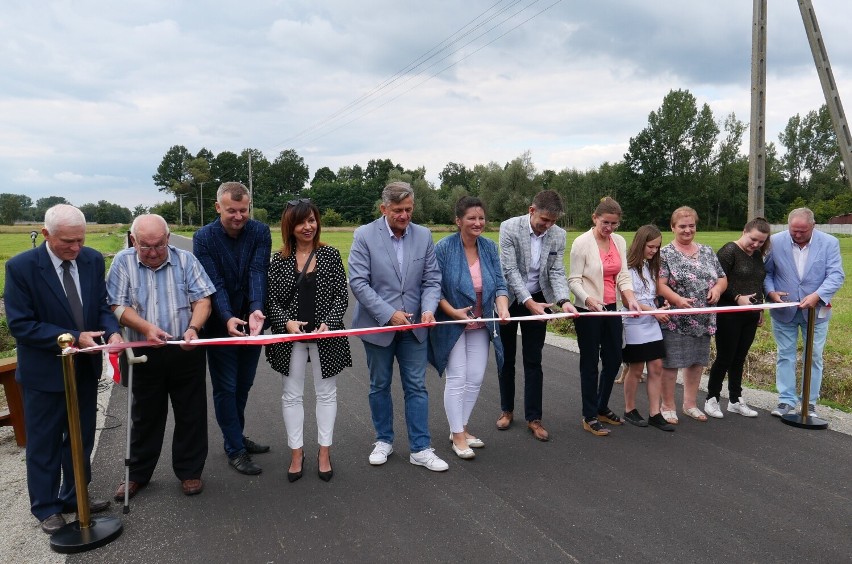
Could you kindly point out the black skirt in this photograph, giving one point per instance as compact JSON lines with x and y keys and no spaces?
{"x":643,"y":352}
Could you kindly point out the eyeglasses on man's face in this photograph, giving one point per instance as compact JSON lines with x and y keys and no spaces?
{"x":158,"y":248}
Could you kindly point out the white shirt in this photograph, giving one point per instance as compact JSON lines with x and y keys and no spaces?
{"x":57,"y":266}
{"x":800,"y":257}
{"x":533,"y":284}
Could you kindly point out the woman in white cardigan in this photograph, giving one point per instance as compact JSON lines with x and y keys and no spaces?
{"x":598,"y":273}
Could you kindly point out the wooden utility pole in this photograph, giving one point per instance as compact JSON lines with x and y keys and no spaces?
{"x":829,"y":87}
{"x":757,"y":138}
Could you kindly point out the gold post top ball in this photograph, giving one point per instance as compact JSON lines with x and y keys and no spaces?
{"x":65,"y":340}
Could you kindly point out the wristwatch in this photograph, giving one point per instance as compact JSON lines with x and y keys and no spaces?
{"x":562,"y":302}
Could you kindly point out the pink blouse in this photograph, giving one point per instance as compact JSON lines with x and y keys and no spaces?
{"x":476,"y":276}
{"x":611,"y":262}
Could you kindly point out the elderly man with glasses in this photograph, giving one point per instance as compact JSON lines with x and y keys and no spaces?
{"x":161,"y":293}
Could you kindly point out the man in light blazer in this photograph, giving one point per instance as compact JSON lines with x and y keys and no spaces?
{"x":40,"y":286}
{"x":394,"y":276}
{"x":803,"y":266}
{"x":532,"y":248}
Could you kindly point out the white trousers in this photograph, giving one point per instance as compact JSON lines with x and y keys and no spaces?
{"x":294,"y":389}
{"x":464,"y":374}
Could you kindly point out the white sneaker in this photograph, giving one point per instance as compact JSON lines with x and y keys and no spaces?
{"x":742,"y":408}
{"x":711,"y":406}
{"x":429,"y":459}
{"x":380,"y":453}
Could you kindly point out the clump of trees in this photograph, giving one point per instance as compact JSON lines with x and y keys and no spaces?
{"x":17,"y":207}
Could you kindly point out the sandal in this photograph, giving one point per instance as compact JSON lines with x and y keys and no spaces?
{"x":594,"y":427}
{"x":695,"y":413}
{"x":670,"y":417}
{"x":609,"y":417}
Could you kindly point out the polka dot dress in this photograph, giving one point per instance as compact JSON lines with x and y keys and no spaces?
{"x":332,"y":299}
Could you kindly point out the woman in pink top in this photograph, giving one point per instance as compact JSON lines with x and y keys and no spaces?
{"x":598,"y":273}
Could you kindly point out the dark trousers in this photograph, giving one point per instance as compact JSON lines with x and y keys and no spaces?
{"x":171,"y":373}
{"x":532,"y":342}
{"x":50,"y":470}
{"x":232,"y":371}
{"x":734,"y":335}
{"x":598,"y":338}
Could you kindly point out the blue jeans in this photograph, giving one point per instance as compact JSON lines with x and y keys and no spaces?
{"x":410,"y":355}
{"x":786,"y":338}
{"x":232,"y":370}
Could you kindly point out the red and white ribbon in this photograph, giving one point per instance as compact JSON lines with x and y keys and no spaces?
{"x":258,"y":340}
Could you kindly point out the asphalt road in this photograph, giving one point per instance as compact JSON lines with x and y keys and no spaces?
{"x":735,"y":489}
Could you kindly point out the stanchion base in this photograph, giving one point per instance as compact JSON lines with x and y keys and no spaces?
{"x":71,"y":538}
{"x":809,"y":422}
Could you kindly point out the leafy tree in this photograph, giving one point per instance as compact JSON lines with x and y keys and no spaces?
{"x":169,"y":211}
{"x":324,"y":175}
{"x":10,"y":208}
{"x":90,"y":212}
{"x":283,"y":179}
{"x":729,"y":194}
{"x":139,"y":210}
{"x":44,"y":204}
{"x":172,"y":170}
{"x":190,"y":211}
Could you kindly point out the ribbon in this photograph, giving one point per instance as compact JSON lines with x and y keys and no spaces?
{"x":258,"y":340}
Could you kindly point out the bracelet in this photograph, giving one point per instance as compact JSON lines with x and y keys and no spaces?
{"x":562,"y":302}
{"x":194,"y":328}
{"x":737,"y":298}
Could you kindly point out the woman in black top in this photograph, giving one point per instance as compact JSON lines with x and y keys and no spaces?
{"x":742,"y":261}
{"x":307,"y":294}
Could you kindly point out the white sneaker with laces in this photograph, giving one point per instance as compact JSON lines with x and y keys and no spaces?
{"x":742,"y":408}
{"x":429,"y":459}
{"x":711,"y":406}
{"x":380,"y":453}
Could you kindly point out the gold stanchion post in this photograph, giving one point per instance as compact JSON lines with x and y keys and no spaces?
{"x":85,"y":533}
{"x":805,"y":420}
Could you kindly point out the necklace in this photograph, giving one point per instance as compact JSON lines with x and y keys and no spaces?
{"x":689,"y":251}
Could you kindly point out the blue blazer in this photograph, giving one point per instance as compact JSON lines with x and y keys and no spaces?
{"x":823,"y":273}
{"x":381,"y":287}
{"x":37,"y":311}
{"x":240,"y":278}
{"x":457,"y":288}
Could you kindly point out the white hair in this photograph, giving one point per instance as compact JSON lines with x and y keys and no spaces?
{"x":63,"y":215}
{"x":804,"y":213}
{"x":146,"y":217}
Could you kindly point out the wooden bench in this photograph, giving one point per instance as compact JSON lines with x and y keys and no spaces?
{"x":15,"y":414}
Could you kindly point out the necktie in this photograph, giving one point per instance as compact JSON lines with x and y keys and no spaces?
{"x":73,"y":296}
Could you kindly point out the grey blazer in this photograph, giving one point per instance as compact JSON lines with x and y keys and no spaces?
{"x":515,"y":260}
{"x":379,"y":285}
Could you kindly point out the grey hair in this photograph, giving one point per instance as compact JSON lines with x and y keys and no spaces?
{"x":145,"y":217}
{"x":805,"y":213}
{"x":63,"y":215}
{"x":395,"y":192}
{"x":236,"y":189}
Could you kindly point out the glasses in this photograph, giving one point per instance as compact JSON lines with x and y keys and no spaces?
{"x":158,"y":248}
{"x":613,"y":225}
{"x":299,"y":201}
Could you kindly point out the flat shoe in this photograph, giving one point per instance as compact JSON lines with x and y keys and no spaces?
{"x":670,"y":417}
{"x":193,"y":486}
{"x":695,"y":413}
{"x":133,"y":488}
{"x":467,"y":453}
{"x":53,"y":523}
{"x":471,"y":442}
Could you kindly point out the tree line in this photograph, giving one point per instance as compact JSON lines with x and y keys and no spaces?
{"x":18,"y":207}
{"x":685,"y":155}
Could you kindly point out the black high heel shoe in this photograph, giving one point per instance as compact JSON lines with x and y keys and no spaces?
{"x":293,"y":476}
{"x":325,"y":476}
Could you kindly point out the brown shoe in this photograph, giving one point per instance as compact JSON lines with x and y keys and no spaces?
{"x":133,"y":488}
{"x":538,"y":431}
{"x":193,"y":486}
{"x":505,"y":420}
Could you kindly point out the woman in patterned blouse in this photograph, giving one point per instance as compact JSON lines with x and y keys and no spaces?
{"x":690,"y":276}
{"x":307,"y":294}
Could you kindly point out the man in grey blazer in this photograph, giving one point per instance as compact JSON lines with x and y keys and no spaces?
{"x":395,"y":279}
{"x":532,"y":248}
{"x":803,"y":266}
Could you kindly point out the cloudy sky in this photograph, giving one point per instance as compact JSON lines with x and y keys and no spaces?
{"x":93,"y":93}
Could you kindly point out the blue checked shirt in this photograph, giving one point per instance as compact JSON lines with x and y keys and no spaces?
{"x":162,"y":296}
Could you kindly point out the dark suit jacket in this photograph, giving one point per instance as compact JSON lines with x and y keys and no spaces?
{"x":37,"y":311}
{"x":240,"y":278}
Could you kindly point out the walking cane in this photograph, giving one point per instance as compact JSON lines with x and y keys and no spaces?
{"x":804,"y":420}
{"x":131,"y":360}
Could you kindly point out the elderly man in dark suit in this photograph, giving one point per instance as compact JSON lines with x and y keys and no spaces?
{"x":57,"y":288}
{"x":394,"y":275}
{"x":235,"y":252}
{"x":532,"y":248}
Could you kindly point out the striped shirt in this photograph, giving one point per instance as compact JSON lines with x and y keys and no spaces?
{"x":161,"y":296}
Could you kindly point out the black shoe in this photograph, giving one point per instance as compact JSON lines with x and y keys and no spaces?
{"x":243,"y":464}
{"x":634,"y":418}
{"x":253,"y":447}
{"x":293,"y":476}
{"x":53,"y":523}
{"x":660,"y":423}
{"x":325,"y":476}
{"x":95,"y":506}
